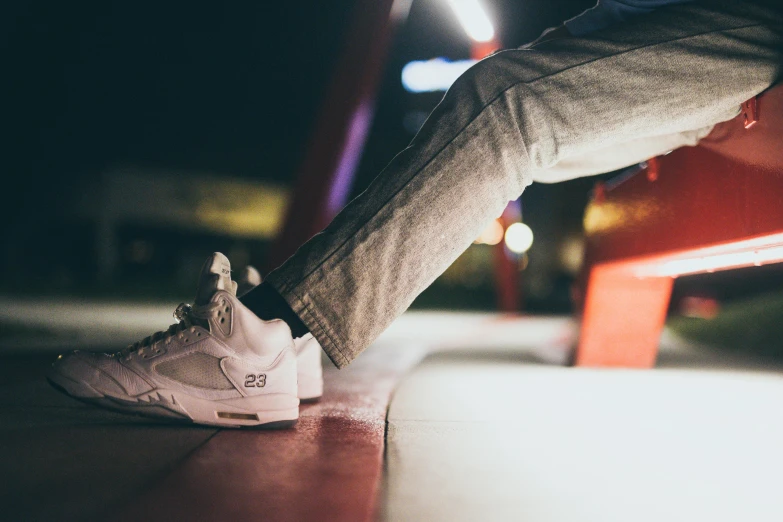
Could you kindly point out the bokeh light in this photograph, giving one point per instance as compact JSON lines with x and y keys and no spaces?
{"x":473,"y":19}
{"x":492,"y":235}
{"x":519,"y":238}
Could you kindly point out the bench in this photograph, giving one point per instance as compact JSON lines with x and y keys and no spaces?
{"x":716,"y":206}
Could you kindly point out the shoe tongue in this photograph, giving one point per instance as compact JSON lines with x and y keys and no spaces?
{"x":215,"y":275}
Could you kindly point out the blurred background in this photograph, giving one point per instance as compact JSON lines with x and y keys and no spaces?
{"x":141,"y":137}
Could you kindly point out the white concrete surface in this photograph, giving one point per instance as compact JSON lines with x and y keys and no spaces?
{"x":483,"y":434}
{"x":74,"y":323}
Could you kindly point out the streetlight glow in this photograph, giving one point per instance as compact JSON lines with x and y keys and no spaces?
{"x":519,"y":238}
{"x":473,"y":19}
{"x":433,"y":75}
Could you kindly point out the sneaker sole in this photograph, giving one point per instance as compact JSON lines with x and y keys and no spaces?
{"x":187,"y":408}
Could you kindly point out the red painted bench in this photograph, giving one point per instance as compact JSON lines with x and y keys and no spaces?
{"x":712,"y":207}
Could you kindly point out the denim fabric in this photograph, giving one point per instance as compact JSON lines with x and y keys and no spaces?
{"x":505,"y":121}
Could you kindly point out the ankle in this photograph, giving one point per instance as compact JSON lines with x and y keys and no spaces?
{"x":268,"y":304}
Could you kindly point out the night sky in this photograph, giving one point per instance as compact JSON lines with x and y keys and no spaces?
{"x":210,"y":86}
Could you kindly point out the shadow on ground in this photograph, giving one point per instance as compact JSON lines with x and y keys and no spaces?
{"x":63,"y":460}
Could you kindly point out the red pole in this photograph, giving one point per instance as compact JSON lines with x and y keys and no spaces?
{"x":507,"y":277}
{"x":323,"y":182}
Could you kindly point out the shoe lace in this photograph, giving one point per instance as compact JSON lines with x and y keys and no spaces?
{"x":186,"y":315}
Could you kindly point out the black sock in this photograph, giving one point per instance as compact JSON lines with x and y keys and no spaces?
{"x":266,"y":303}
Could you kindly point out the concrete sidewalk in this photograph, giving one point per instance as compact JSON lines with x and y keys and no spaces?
{"x":52,"y":324}
{"x":483,"y":434}
{"x":66,"y":461}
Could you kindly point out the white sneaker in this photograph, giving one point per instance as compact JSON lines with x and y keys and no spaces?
{"x":220,"y":365}
{"x":310,"y":372}
{"x":308,"y":349}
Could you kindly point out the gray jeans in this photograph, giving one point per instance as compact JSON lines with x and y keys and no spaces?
{"x":545,"y":113}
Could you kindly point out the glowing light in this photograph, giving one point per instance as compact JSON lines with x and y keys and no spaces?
{"x":433,"y":75}
{"x":519,"y":238}
{"x":473,"y":19}
{"x":571,"y":254}
{"x":349,"y":160}
{"x":699,"y":307}
{"x":492,"y":235}
{"x":719,"y":261}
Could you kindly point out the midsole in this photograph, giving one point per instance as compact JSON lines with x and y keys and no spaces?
{"x":248,"y":411}
{"x":260,"y":409}
{"x":272,"y":401}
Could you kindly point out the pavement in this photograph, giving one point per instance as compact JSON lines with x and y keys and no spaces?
{"x":64,"y":460}
{"x":487,"y":436}
{"x":447,"y":417}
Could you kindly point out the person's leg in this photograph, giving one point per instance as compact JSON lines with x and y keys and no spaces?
{"x":515,"y":113}
{"x":620,"y":155}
